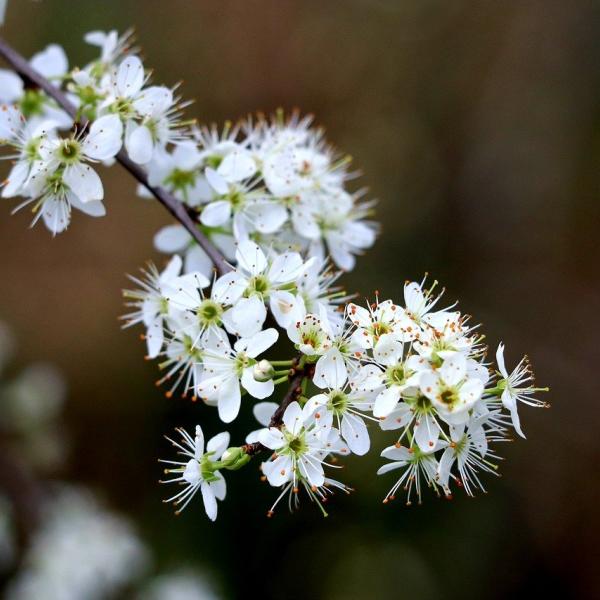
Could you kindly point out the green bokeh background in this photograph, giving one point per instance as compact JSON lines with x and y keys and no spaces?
{"x":476,"y":125}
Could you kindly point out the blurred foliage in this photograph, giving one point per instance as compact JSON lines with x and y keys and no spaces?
{"x":476,"y":124}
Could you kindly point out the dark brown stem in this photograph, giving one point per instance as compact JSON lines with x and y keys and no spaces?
{"x":174,"y":206}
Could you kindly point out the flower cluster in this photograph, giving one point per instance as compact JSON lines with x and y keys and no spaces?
{"x":414,"y":368}
{"x":272,"y":197}
{"x":275,"y":181}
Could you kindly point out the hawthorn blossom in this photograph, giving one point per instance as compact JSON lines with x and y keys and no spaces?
{"x":198,"y":471}
{"x":468,"y":448}
{"x":25,"y":137}
{"x":373,"y":322}
{"x":418,"y":468}
{"x":346,"y":408}
{"x":515,"y":388}
{"x":150,"y":113}
{"x":300,"y":449}
{"x":151,"y":302}
{"x":225,"y":368}
{"x":60,"y":178}
{"x":400,"y":375}
{"x":51,"y":63}
{"x":450,"y":390}
{"x":252,"y":209}
{"x":179,"y":172}
{"x":261,"y":279}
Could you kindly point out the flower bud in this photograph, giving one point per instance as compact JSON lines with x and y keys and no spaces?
{"x":263,"y":371}
{"x":234,"y":458}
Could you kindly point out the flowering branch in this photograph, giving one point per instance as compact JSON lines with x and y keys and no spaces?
{"x":31,"y":77}
{"x":271,"y":198}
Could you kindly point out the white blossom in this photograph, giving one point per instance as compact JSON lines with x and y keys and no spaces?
{"x":226,"y":367}
{"x":198,"y":471}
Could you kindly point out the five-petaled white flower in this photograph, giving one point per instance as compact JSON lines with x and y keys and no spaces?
{"x":226,"y":367}
{"x":199,"y":471}
{"x":515,"y":388}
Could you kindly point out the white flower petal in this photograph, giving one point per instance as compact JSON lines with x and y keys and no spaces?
{"x":292,"y":418}
{"x":130,"y":77}
{"x":263,"y":411}
{"x":216,"y":213}
{"x":104,"y":138}
{"x":51,"y":62}
{"x":216,"y":182}
{"x":454,"y":369}
{"x":257,"y":389}
{"x":247,"y":317}
{"x":210,"y":502}
{"x":140,"y":145}
{"x":153,"y":101}
{"x":354,"y":431}
{"x":229,"y":399}
{"x":84,"y":182}
{"x":237,"y":165}
{"x":331,"y":371}
{"x":218,"y":444}
{"x":11,"y":86}
{"x":386,"y":402}
{"x":172,"y":238}
{"x":258,"y":343}
{"x":278,"y":471}
{"x":251,"y":258}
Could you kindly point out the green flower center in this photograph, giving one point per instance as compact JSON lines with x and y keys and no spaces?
{"x":163,"y":306}
{"x":123,"y":107}
{"x":69,"y":151}
{"x":310,"y":338}
{"x":191,"y":350}
{"x":31,"y":149}
{"x":180,"y":179}
{"x":213,"y":161}
{"x":259,"y":284}
{"x":423,"y":404}
{"x":396,"y":375}
{"x":241,"y":362}
{"x":209,"y":313}
{"x":236,"y":198}
{"x":32,"y":103}
{"x":296,"y":444}
{"x":378,"y":329}
{"x":449,"y":396}
{"x":338,"y":403}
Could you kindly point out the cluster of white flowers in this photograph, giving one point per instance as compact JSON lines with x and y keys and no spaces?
{"x":274,"y":181}
{"x":405,"y":368}
{"x":272,"y":197}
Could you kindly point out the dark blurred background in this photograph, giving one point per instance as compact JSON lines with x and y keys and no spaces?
{"x":476,"y":124}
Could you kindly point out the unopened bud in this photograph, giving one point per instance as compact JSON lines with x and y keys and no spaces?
{"x":263,"y":371}
{"x":234,"y":458}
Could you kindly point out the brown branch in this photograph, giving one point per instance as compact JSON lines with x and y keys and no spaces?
{"x":174,"y":206}
{"x":177,"y":209}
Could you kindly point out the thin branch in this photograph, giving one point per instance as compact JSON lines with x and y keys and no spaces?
{"x":174,"y":206}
